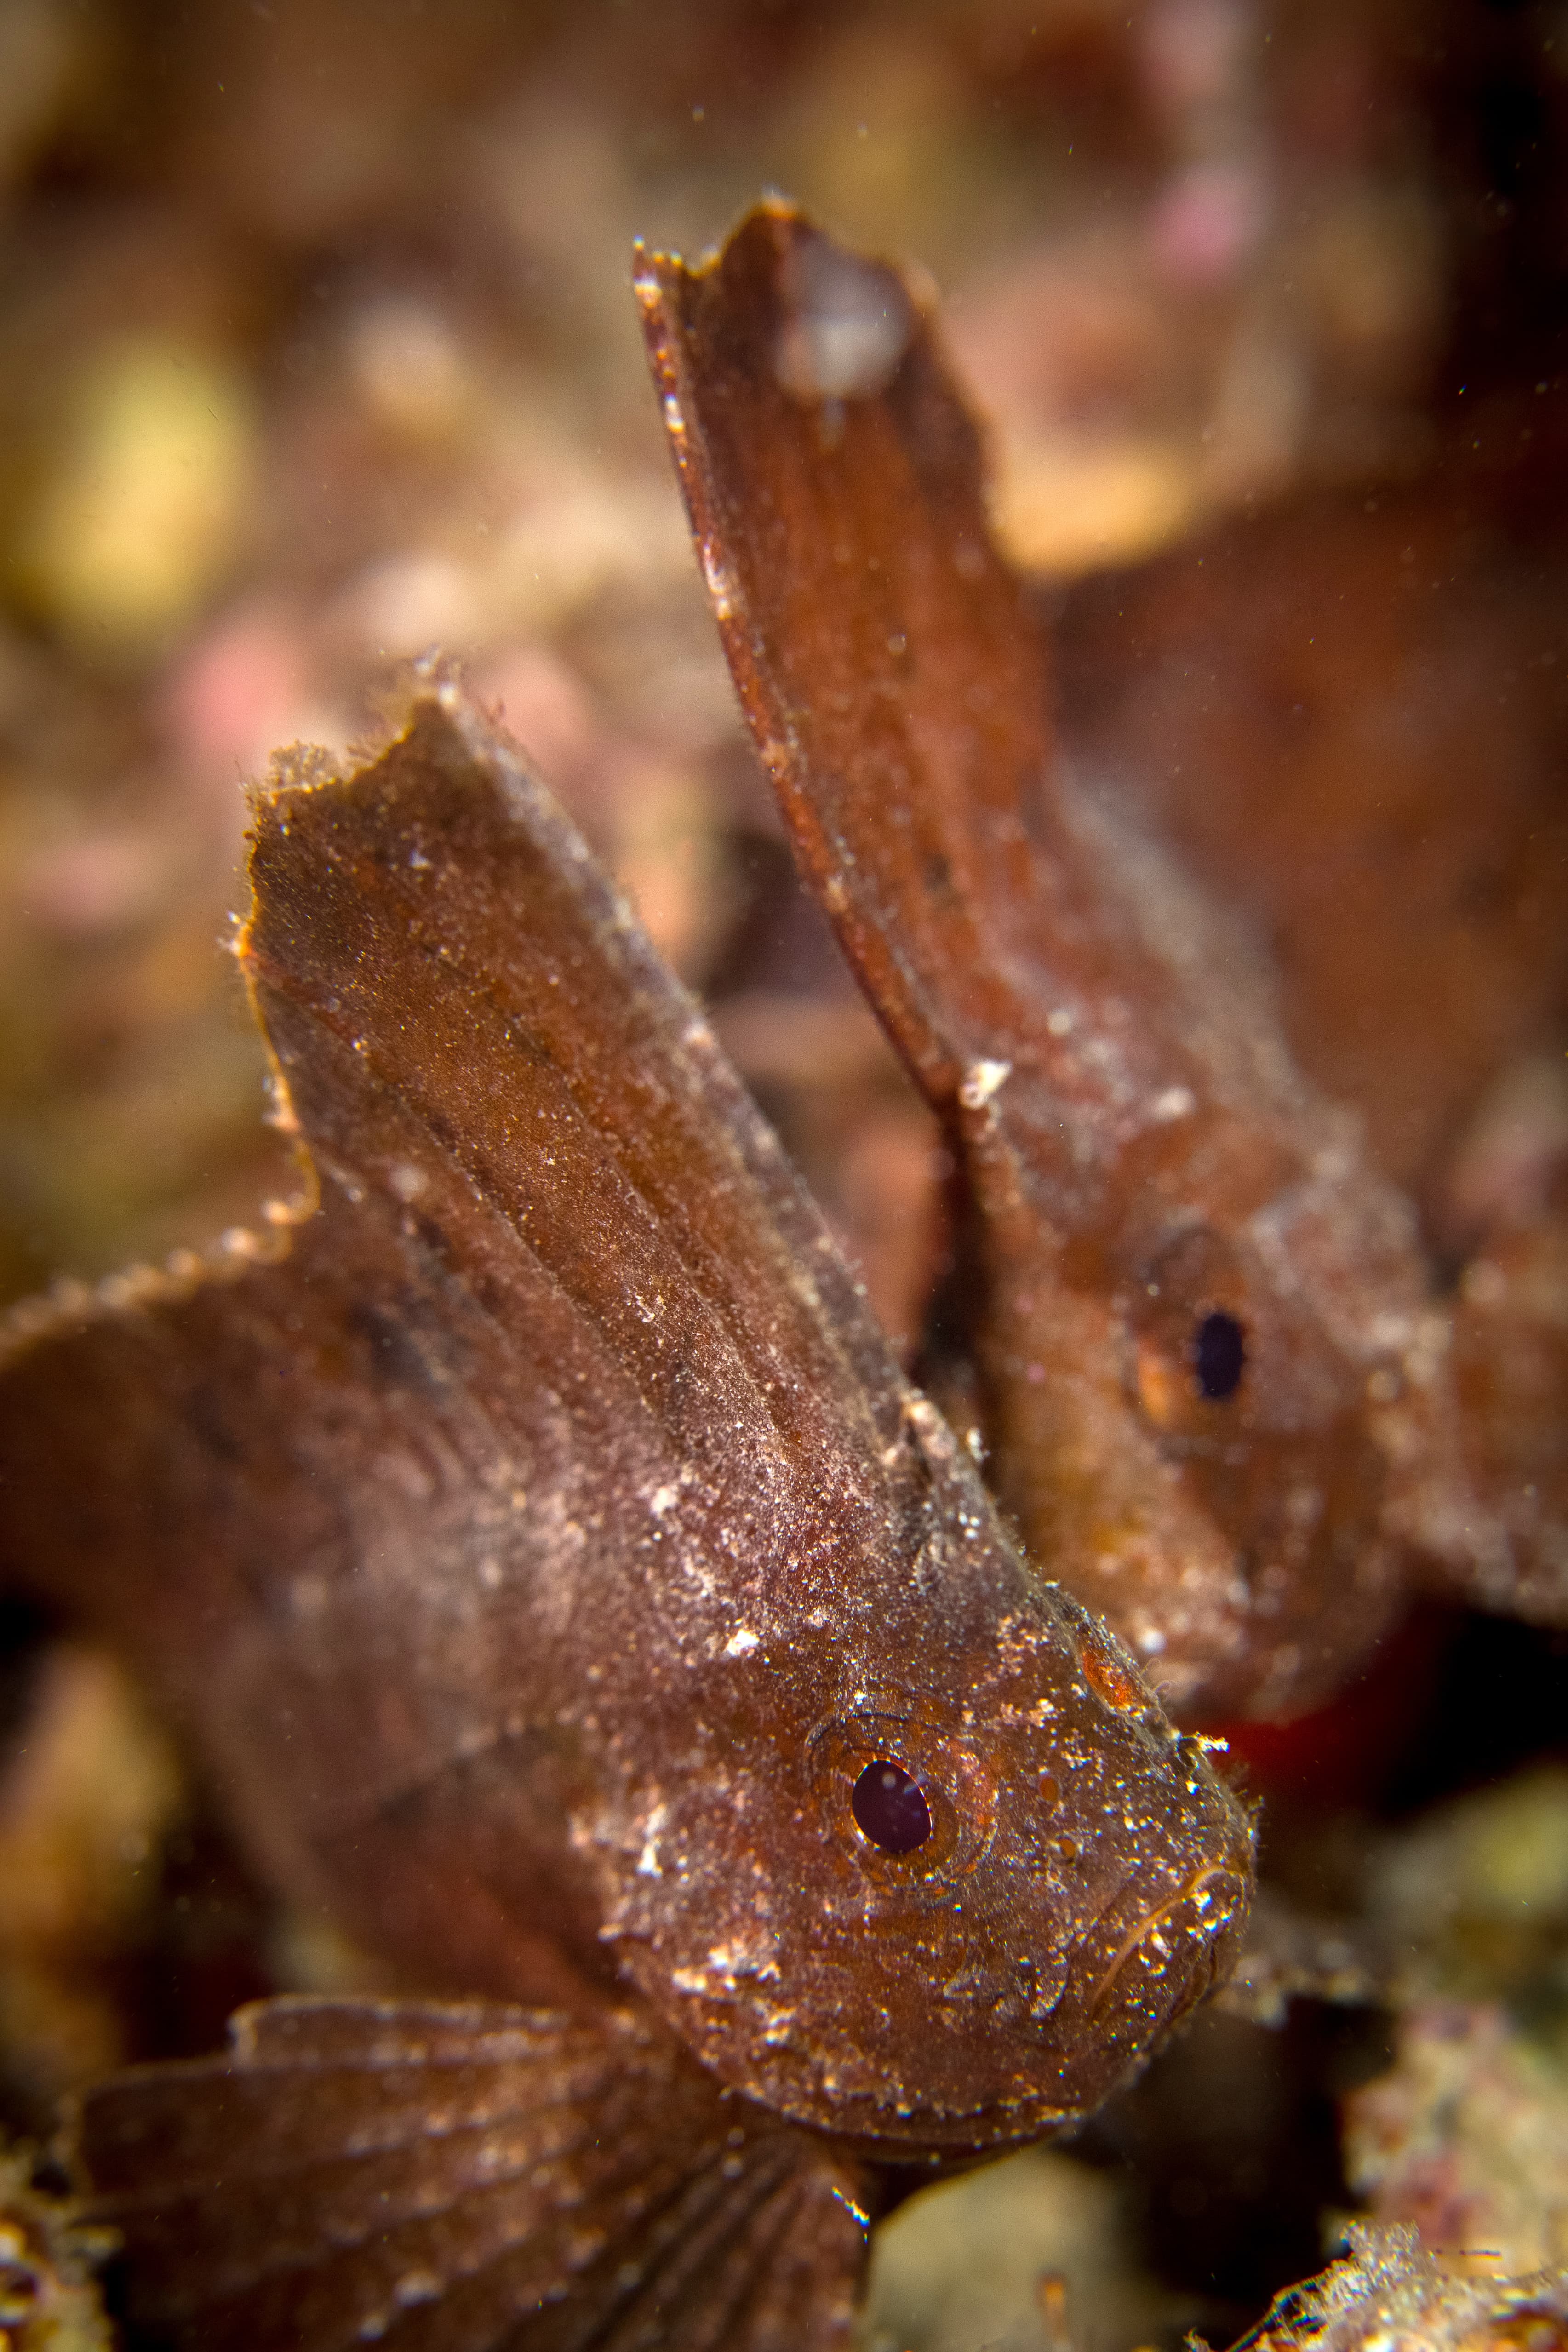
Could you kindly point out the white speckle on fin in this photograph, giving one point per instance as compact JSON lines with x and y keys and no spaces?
{"x":847,"y":324}
{"x":981,"y":1081}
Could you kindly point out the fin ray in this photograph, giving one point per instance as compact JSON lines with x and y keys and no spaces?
{"x":585,"y":2188}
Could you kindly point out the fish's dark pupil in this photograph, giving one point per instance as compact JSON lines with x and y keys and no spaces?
{"x":891,"y":1807}
{"x":1219,"y":1353}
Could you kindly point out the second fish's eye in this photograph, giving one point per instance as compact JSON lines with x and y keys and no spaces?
{"x":889,"y":1807}
{"x":1219,"y":1356}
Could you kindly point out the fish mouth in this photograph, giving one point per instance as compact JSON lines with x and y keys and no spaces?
{"x":1174,"y":1953}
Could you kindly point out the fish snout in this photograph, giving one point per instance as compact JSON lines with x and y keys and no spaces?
{"x":1175,"y":1935}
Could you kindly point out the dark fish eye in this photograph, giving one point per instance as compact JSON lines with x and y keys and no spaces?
{"x":890,"y":1808}
{"x":1219,"y":1354}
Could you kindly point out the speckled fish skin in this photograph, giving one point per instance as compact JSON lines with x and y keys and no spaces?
{"x":539,"y":1541}
{"x":1138,"y":1153}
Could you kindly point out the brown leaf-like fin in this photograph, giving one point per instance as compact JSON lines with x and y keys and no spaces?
{"x":436,"y":925}
{"x":463,"y":2179}
{"x":886,"y":657}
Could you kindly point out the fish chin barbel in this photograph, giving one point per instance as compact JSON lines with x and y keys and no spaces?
{"x":567,"y":1593}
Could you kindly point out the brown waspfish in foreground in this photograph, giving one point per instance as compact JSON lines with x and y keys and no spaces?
{"x":1213,"y":1387}
{"x":568,"y":1594}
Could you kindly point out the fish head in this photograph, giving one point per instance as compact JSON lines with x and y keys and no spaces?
{"x":938,"y":1873}
{"x":1210,"y":1408}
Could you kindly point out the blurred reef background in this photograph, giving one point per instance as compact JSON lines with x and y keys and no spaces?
{"x":318,"y":349}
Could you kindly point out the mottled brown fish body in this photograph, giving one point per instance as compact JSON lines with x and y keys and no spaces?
{"x":1208,"y":1371}
{"x":543,"y":1548}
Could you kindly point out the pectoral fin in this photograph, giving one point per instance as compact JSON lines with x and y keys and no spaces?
{"x":461,"y":2179}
